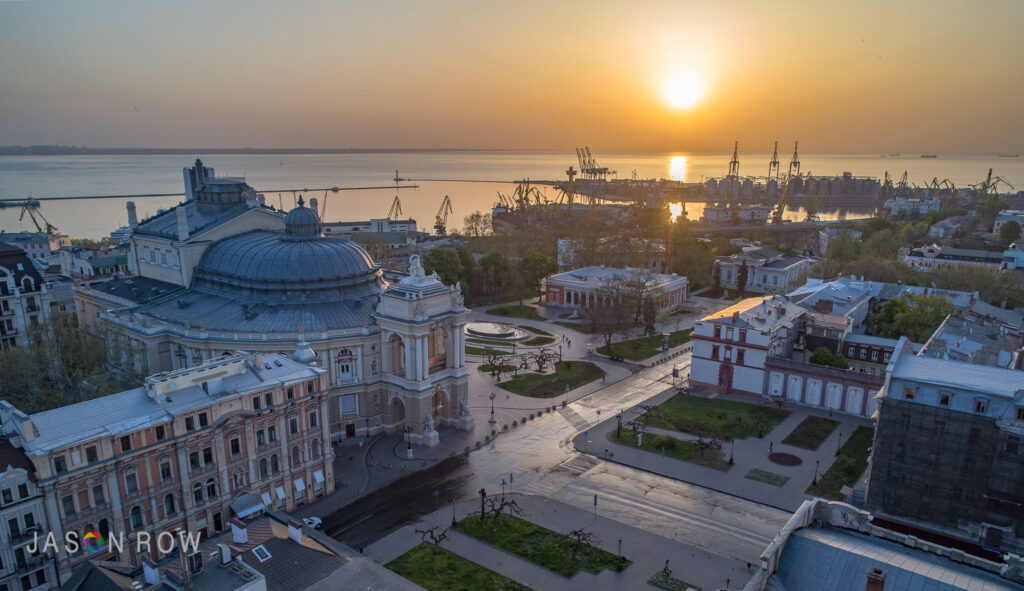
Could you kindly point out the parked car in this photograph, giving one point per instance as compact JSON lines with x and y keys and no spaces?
{"x":313,"y":522}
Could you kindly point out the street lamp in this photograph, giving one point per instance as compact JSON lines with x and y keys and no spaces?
{"x":814,"y":481}
{"x":455,"y":524}
{"x":408,"y":442}
{"x":618,"y":429}
{"x":492,"y":419}
{"x":483,"y":497}
{"x":559,"y":351}
{"x":732,"y":448}
{"x":503,"y":485}
{"x":839,"y":443}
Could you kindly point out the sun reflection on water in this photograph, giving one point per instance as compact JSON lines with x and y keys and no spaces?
{"x":677,"y":168}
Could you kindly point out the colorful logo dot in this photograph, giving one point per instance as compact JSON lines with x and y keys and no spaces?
{"x":94,"y":541}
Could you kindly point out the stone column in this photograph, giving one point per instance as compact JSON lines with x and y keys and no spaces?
{"x":410,"y":366}
{"x":183,"y":476}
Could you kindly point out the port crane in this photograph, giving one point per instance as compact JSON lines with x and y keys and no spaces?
{"x":731,"y":200}
{"x":441,"y":221}
{"x":989,"y":188}
{"x":31,"y":207}
{"x":794,"y":164}
{"x":396,"y":209}
{"x":773,"y":166}
{"x":589,"y":167}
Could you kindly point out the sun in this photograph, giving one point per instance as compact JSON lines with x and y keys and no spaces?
{"x":683,"y":90}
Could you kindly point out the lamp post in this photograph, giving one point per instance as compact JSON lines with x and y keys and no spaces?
{"x":455,"y":524}
{"x":839,"y":443}
{"x":492,"y":419}
{"x":503,"y":485}
{"x":408,"y":442}
{"x":559,"y":351}
{"x":483,"y":497}
{"x":814,"y":481}
{"x":618,"y":429}
{"x":732,"y":448}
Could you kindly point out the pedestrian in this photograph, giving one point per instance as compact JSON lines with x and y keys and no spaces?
{"x":602,"y":379}
{"x":770,"y":445}
{"x":611,"y":453}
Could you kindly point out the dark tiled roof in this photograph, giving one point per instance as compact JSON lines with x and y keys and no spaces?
{"x":135,"y":289}
{"x":14,"y":457}
{"x":92,"y":577}
{"x":291,"y":566}
{"x":783,"y":263}
{"x":11,"y":256}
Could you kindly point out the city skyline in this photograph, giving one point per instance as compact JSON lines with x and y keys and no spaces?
{"x":655,"y":77}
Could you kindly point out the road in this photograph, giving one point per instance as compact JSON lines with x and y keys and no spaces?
{"x":539,"y":459}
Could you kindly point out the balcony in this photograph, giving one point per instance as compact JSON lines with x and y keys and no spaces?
{"x":25,"y":535}
{"x":34,"y":562}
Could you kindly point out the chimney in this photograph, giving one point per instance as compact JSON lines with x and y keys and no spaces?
{"x":295,"y":530}
{"x":152,"y":573}
{"x":876,"y":579}
{"x":182,"y":223}
{"x":133,"y":218}
{"x":261,"y":199}
{"x":225,"y":553}
{"x":735,"y":316}
{"x":239,"y":533}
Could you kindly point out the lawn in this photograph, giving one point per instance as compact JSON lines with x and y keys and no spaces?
{"x":730,"y":420}
{"x":488,"y":342}
{"x":573,"y":373}
{"x":539,"y":545}
{"x":538,"y":341}
{"x":527,"y":312}
{"x":674,"y":448}
{"x":534,"y":330}
{"x":851,"y":463}
{"x":644,"y":347}
{"x":446,"y":571}
{"x":811,"y":433}
{"x":480,"y":351}
{"x":767,"y":477}
{"x":577,"y":326}
{"x":666,"y":581}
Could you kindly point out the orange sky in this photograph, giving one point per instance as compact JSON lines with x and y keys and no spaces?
{"x":867,"y":76}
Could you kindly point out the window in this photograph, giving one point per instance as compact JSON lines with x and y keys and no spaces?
{"x":207,"y":456}
{"x":743,"y":335}
{"x":197,"y":493}
{"x":312,"y":419}
{"x":97,"y":495}
{"x":885,"y":356}
{"x":203,"y":420}
{"x":68,"y":502}
{"x":291,"y":393}
{"x":165,"y":470}
{"x":269,"y":399}
{"x":310,"y":387}
{"x":190,"y":424}
{"x":126,"y":443}
{"x":296,"y":456}
{"x":30,"y":520}
{"x":264,"y":469}
{"x":193,"y":460}
{"x":863,"y":354}
{"x":41,"y":577}
{"x":714,"y":351}
{"x":255,"y":402}
{"x":15,"y":529}
{"x":275,"y":466}
{"x":152,"y":256}
{"x":136,"y":518}
{"x":293,"y":426}
{"x":874,"y":356}
{"x":739,"y":356}
{"x":1020,"y":413}
{"x":943,"y":399}
{"x":131,"y":483}
{"x":376,"y":400}
{"x":90,"y":454}
{"x":272,"y":433}
{"x":718,"y":331}
{"x":236,"y":446}
{"x":980,"y":405}
{"x":314,"y":449}
{"x":22,"y":491}
{"x":163,"y":258}
{"x":211,"y":488}
{"x":909,"y":393}
{"x":261,"y":438}
{"x":169,"y":505}
{"x":60,"y":464}
{"x":7,"y":496}
{"x":851,"y":351}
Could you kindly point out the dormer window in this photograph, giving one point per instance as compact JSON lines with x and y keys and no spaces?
{"x":980,"y":405}
{"x":909,"y":393}
{"x":944,"y":399}
{"x":1020,"y":413}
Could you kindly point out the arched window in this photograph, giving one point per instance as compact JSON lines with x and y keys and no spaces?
{"x":263,"y":468}
{"x":296,"y":456}
{"x":27,"y":284}
{"x":343,"y":364}
{"x":373,"y":367}
{"x":211,"y":488}
{"x":275,"y":466}
{"x":314,"y":449}
{"x":136,"y":518}
{"x":104,"y":528}
{"x":169,"y":504}
{"x":197,"y":493}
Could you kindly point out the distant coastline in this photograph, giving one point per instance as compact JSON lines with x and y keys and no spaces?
{"x":48,"y":150}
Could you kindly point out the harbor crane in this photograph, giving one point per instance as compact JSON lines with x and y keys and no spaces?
{"x":989,"y":188}
{"x":396,"y":209}
{"x":441,"y":221}
{"x":731,"y":199}
{"x":589,"y":168}
{"x":794,"y":164}
{"x":31,"y":207}
{"x":773,"y":166}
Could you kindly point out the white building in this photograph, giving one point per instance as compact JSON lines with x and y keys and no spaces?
{"x":36,"y":245}
{"x":24,"y":297}
{"x":731,"y":347}
{"x":584,"y":288}
{"x":22,"y":516}
{"x":901,"y":206}
{"x":934,"y":256}
{"x":768,"y":270}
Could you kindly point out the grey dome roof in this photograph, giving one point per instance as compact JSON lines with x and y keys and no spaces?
{"x":301,"y":223}
{"x":267,"y":267}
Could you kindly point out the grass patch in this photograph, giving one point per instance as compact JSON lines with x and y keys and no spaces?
{"x":729,"y":419}
{"x":674,"y":448}
{"x":846,"y":470}
{"x":670,"y":583}
{"x":539,"y":545}
{"x":442,"y":570}
{"x":505,"y":368}
{"x":767,"y":477}
{"x":488,"y":342}
{"x":519,"y":311}
{"x":481,"y":351}
{"x":811,"y":433}
{"x":537,"y":341}
{"x":577,"y":326}
{"x":644,"y":347}
{"x":571,"y":373}
{"x":534,"y":330}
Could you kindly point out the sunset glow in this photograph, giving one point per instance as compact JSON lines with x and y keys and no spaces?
{"x":683,"y":90}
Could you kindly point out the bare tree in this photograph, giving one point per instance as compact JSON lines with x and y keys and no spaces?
{"x":580,"y":538}
{"x":435,"y":535}
{"x":495,"y":506}
{"x":774,"y":400}
{"x":541,"y":358}
{"x":707,"y":440}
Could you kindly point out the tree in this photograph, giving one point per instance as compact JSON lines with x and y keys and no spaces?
{"x":541,"y":358}
{"x":477,"y":224}
{"x":580,"y":538}
{"x":1009,"y":233}
{"x":741,"y":277}
{"x":610,"y":313}
{"x":707,"y":439}
{"x":911,"y":315}
{"x":824,"y":356}
{"x":446,"y":263}
{"x":435,"y":535}
{"x":535,"y":267}
{"x":496,"y":506}
{"x":843,"y":248}
{"x":494,"y":271}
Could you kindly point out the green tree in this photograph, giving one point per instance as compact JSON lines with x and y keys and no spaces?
{"x":824,"y":356}
{"x":494,"y":271}
{"x":534,"y":268}
{"x":446,"y":263}
{"x":1009,"y":233}
{"x":477,"y":224}
{"x":911,"y":315}
{"x":843,"y":248}
{"x":741,"y":277}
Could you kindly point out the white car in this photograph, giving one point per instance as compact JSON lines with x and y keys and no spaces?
{"x":313,"y":522}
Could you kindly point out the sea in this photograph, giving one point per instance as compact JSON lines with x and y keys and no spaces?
{"x":471,"y":179}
